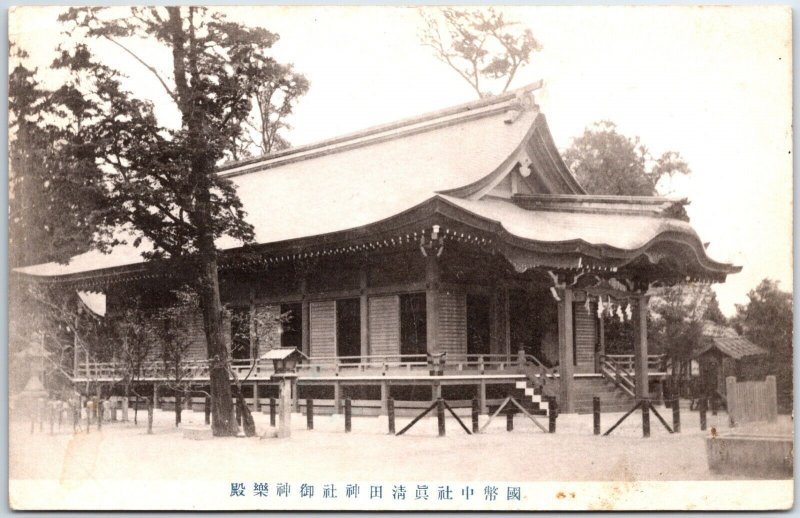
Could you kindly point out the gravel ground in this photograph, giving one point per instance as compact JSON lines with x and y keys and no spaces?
{"x":125,"y":451}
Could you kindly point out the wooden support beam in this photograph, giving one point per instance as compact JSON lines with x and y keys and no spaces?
{"x":254,"y":353}
{"x":506,"y":319}
{"x":566,"y":367}
{"x":337,"y":397}
{"x":432,"y":279}
{"x":364,"y":307}
{"x":482,"y":397}
{"x":384,"y":397}
{"x":495,"y":326}
{"x":640,"y":347}
{"x":305,"y":319}
{"x":602,"y":337}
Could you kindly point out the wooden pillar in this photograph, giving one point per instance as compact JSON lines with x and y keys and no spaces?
{"x":601,"y":326}
{"x":364,"y":304}
{"x":254,"y":352}
{"x":75,"y":348}
{"x":256,"y":402}
{"x":506,"y":320}
{"x":499,"y":321}
{"x":384,"y":397}
{"x":482,"y":397}
{"x":437,"y":390}
{"x":640,"y":347}
{"x":337,"y":397}
{"x":566,"y":367}
{"x":432,"y":274}
{"x":305,"y":320}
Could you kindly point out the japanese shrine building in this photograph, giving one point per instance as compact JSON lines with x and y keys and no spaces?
{"x":460,"y":231}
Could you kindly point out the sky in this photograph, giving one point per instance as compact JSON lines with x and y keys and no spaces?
{"x":713,"y":83}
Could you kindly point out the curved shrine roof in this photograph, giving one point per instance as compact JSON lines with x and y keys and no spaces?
{"x":493,"y":158}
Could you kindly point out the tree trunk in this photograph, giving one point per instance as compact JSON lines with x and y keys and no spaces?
{"x":222,"y":419}
{"x":195,"y":122}
{"x":150,"y":404}
{"x":248,"y":423}
{"x":178,"y":408}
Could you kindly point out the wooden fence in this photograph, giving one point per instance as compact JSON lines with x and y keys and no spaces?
{"x":750,"y":401}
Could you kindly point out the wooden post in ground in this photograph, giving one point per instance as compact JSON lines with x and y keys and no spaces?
{"x":640,"y":366}
{"x":149,"y":416}
{"x":384,"y":396}
{"x":310,"y":414}
{"x":390,"y":412}
{"x":207,"y":410}
{"x":596,"y":414}
{"x":89,"y":406}
{"x":437,"y":390}
{"x":482,"y":395}
{"x":566,"y":338}
{"x":440,"y":416}
{"x":337,"y":397}
{"x":676,"y":415}
{"x":348,"y":415}
{"x":552,"y":414}
{"x":156,"y":399}
{"x":272,"y":411}
{"x":703,"y":409}
{"x":475,"y":412}
{"x":256,"y":402}
{"x":645,"y":418}
{"x":509,"y":421}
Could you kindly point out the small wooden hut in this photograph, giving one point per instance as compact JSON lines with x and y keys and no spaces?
{"x":727,"y":354}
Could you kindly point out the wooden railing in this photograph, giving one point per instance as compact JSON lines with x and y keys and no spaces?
{"x":395,"y":364}
{"x":618,"y":375}
{"x":655,"y":362}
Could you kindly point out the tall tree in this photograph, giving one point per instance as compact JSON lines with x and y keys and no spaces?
{"x":766,"y":320}
{"x":162,"y":179}
{"x":274,"y":101}
{"x":607,"y":162}
{"x":55,"y":191}
{"x":484,"y":48}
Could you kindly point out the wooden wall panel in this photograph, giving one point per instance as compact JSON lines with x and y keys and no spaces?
{"x":195,"y":335}
{"x":585,"y":336}
{"x":453,"y":323}
{"x":322,"y":316}
{"x":384,"y":325}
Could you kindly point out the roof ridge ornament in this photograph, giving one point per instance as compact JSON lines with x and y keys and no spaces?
{"x":523,"y":101}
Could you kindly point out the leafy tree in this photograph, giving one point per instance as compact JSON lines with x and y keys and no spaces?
{"x":766,"y":320}
{"x":56,"y":319}
{"x":606,"y":162}
{"x":162,"y":179}
{"x":55,"y":192}
{"x":479,"y":44}
{"x":676,"y":326}
{"x":136,"y":341}
{"x":713,"y":313}
{"x":274,"y":101}
{"x":170,"y":326}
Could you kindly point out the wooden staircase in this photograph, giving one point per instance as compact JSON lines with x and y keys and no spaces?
{"x":531,"y":398}
{"x":612,"y":397}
